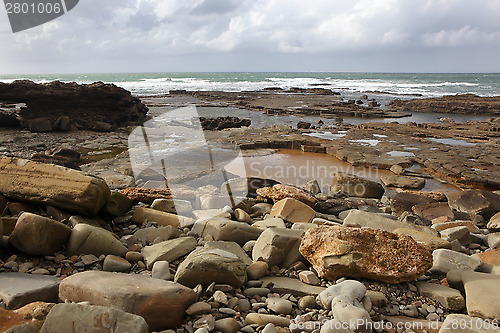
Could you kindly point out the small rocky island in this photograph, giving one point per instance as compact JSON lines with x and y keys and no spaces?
{"x":87,"y":246}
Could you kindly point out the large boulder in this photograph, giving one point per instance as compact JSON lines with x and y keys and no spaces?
{"x":363,"y":252}
{"x":481,"y":202}
{"x":38,"y":236}
{"x":161,"y":303}
{"x":355,"y":186}
{"x":53,"y":185}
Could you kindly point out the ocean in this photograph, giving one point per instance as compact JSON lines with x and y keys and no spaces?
{"x":402,"y":84}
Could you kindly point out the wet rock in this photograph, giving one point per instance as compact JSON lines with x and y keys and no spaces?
{"x":278,"y":247}
{"x":475,"y":202}
{"x":142,"y":215}
{"x":53,"y":185}
{"x":447,"y":260}
{"x":355,"y":186}
{"x":145,"y":296}
{"x":37,"y":235}
{"x":64,"y":318}
{"x":450,"y":298}
{"x":292,"y":210}
{"x":169,"y":250}
{"x":369,"y":253}
{"x":279,"y":192}
{"x":404,"y":202}
{"x":223,"y":229}
{"x":118,"y":204}
{"x":33,"y":314}
{"x":403,"y":182}
{"x":86,"y":239}
{"x":18,"y":290}
{"x":204,"y":266}
{"x":115,"y":264}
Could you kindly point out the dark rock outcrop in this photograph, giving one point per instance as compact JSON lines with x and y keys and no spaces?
{"x":220,"y":123}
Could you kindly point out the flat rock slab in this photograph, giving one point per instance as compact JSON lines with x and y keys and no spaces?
{"x":449,"y":297}
{"x":482,"y":295}
{"x":18,"y":289}
{"x":168,"y":250}
{"x":161,"y":303}
{"x":363,"y":252}
{"x":291,"y":286}
{"x":403,"y":182}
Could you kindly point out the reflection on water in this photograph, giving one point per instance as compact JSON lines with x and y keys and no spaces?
{"x":296,"y":167}
{"x":453,"y":142}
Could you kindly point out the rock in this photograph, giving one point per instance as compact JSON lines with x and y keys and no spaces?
{"x":133,"y":256}
{"x":206,"y":214}
{"x":307,"y":302}
{"x":220,"y":123}
{"x":246,"y":186}
{"x":180,"y":207}
{"x":269,"y":328}
{"x":443,"y":226}
{"x":403,"y":182}
{"x":434,"y":210}
{"x":204,"y":266}
{"x":358,"y":218}
{"x":397,"y":170}
{"x":270,"y":223}
{"x":3,"y":203}
{"x":227,"y":325}
{"x":475,"y":202}
{"x":447,"y":260}
{"x":53,"y":185}
{"x":142,"y":215}
{"x":25,"y":328}
{"x":223,"y":229}
{"x":309,"y":277}
{"x":148,"y":235}
{"x":279,"y":305}
{"x":119,"y":182}
{"x":118,"y":204}
{"x":64,"y":318}
{"x":279,"y":192}
{"x":347,"y":310}
{"x":285,"y":285}
{"x":355,"y":186}
{"x":36,"y":235}
{"x":198,"y":308}
{"x":40,"y":125}
{"x":404,"y":202}
{"x":242,"y":216}
{"x":450,"y":298}
{"x":161,"y":270}
{"x":348,"y":287}
{"x":169,"y":250}
{"x":431,"y":242}
{"x":138,"y":294}
{"x":459,"y":323}
{"x":257,"y":270}
{"x":492,"y":258}
{"x":86,"y":239}
{"x":232,"y":247}
{"x":313,"y":187}
{"x":264,"y":319}
{"x":493,"y":240}
{"x":481,"y":294}
{"x":292,"y":210}
{"x":18,"y":290}
{"x":368,"y":253}
{"x":148,"y":195}
{"x":115,"y":264}
{"x":493,"y":224}
{"x":33,"y":314}
{"x":460,"y":233}
{"x":278,"y":247}
{"x":377,"y":298}
{"x":206,"y":323}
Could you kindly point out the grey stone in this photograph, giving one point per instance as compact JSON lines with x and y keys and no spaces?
{"x":493,"y":224}
{"x":292,"y":286}
{"x":149,"y":234}
{"x":459,"y":323}
{"x":115,"y":264}
{"x":450,"y":298}
{"x":278,"y":247}
{"x":161,"y":270}
{"x":168,"y":250}
{"x":348,"y":287}
{"x":403,"y":182}
{"x":355,"y":186}
{"x":227,"y":325}
{"x":460,"y":233}
{"x":223,"y":229}
{"x":446,"y":260}
{"x":232,"y":247}
{"x":279,"y":305}
{"x":118,"y":204}
{"x":86,"y":239}
{"x":17,"y":289}
{"x":25,"y":328}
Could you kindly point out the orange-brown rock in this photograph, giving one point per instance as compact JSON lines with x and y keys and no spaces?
{"x":280,"y":191}
{"x":33,"y":314}
{"x":365,"y":253}
{"x":148,"y":195}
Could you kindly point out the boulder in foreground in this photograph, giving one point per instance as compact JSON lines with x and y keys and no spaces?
{"x":366,"y":253}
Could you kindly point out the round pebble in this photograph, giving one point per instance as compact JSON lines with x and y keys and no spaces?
{"x":114,"y":263}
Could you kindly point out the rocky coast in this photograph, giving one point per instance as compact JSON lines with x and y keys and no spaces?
{"x":86,"y":246}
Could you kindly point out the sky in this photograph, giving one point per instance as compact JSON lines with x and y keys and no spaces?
{"x":112,"y":36}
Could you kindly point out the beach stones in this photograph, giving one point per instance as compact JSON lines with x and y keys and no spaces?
{"x":115,"y":264}
{"x":459,"y":323}
{"x":118,"y":204}
{"x":475,"y":202}
{"x":446,"y":260}
{"x":17,"y":289}
{"x":434,"y":210}
{"x":494,"y":223}
{"x":138,"y":294}
{"x":53,"y":185}
{"x":278,"y":247}
{"x":368,"y":253}
{"x":37,"y":235}
{"x":450,"y":298}
{"x":404,"y":202}
{"x":279,"y":305}
{"x":64,"y":318}
{"x":280,"y":191}
{"x":142,"y":215}
{"x":169,"y":250}
{"x":403,"y":182}
{"x":355,"y":186}
{"x":223,"y":229}
{"x":292,"y":210}
{"x":172,"y":206}
{"x":32,"y":315}
{"x":86,"y":239}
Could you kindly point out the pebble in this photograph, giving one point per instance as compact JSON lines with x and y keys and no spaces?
{"x":114,"y":263}
{"x":227,"y":311}
{"x":89,"y":259}
{"x":269,"y":328}
{"x":133,"y":256}
{"x":198,"y":308}
{"x":250,"y":292}
{"x":244,"y":305}
{"x":257,"y":270}
{"x":220,"y":297}
{"x":309,"y":277}
{"x":307,"y":302}
{"x":161,"y":270}
{"x":279,"y":305}
{"x":207,"y":322}
{"x":227,"y":325}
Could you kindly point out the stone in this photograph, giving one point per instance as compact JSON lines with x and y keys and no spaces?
{"x":358,"y":218}
{"x":278,"y":247}
{"x":64,"y":318}
{"x":403,"y":182}
{"x":53,"y":185}
{"x":133,"y":256}
{"x":223,"y":229}
{"x":269,"y":328}
{"x":220,"y":297}
{"x":161,"y":270}
{"x":8,"y":224}
{"x":198,"y":308}
{"x":33,"y":314}
{"x":460,"y":233}
{"x":36,"y":235}
{"x":169,"y":250}
{"x":18,"y":290}
{"x":86,"y":239}
{"x":143,"y":215}
{"x":264,"y":319}
{"x":313,"y":187}
{"x":348,"y":310}
{"x":367,"y":253}
{"x":25,"y":328}
{"x":492,"y":258}
{"x":138,"y":294}
{"x":270,"y":223}
{"x":279,"y":305}
{"x":40,"y":125}
{"x":286,"y":285}
{"x":292,"y":210}
{"x":494,"y":223}
{"x":118,"y":204}
{"x":493,"y":240}
{"x":305,"y":226}
{"x":431,"y":242}
{"x":446,"y":260}
{"x":119,"y":182}
{"x":404,"y":202}
{"x":206,"y":322}
{"x":355,"y":186}
{"x":148,"y":235}
{"x":450,"y":298}
{"x":443,"y":226}
{"x":307,"y":302}
{"x":433,"y":210}
{"x":459,"y":323}
{"x":481,"y":294}
{"x":205,"y":214}
{"x":397,"y":170}
{"x":348,"y":287}
{"x":180,"y":207}
{"x":280,"y":191}
{"x":309,"y":277}
{"x":257,"y":270}
{"x":205,"y":266}
{"x":260,"y":209}
{"x":3,"y":203}
{"x":227,"y":325}
{"x":475,"y":202}
{"x":242,"y":216}
{"x":377,"y":298}
{"x":115,"y":264}
{"x":74,"y":220}
{"x":232,"y":247}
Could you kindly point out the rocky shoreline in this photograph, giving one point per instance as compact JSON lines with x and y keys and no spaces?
{"x":90,"y":250}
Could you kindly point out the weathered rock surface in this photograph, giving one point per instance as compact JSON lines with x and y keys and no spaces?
{"x":53,"y":185}
{"x":246,"y":186}
{"x":434,"y":210}
{"x":37,"y":235}
{"x":18,"y":290}
{"x":64,"y":318}
{"x":447,"y":260}
{"x":369,"y":253}
{"x":459,"y":323}
{"x":142,"y":215}
{"x":220,"y":123}
{"x":223,"y":229}
{"x":169,"y":250}
{"x":494,"y":223}
{"x":431,"y":242}
{"x":278,"y":247}
{"x":403,"y":182}
{"x":481,"y":202}
{"x":280,"y":191}
{"x":292,"y":210}
{"x":449,"y":297}
{"x":356,"y":186}
{"x":404,"y":202}
{"x":161,"y":303}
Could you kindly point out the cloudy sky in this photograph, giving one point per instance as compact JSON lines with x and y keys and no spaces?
{"x":259,"y":35}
